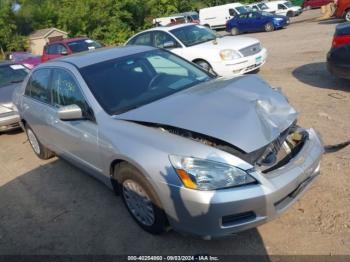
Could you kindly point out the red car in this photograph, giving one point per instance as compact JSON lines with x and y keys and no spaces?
{"x":315,"y":3}
{"x":343,"y":9}
{"x":68,"y":46}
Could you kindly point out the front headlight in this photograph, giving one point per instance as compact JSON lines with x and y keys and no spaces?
{"x":229,"y":54}
{"x":207,"y":174}
{"x":278,"y":19}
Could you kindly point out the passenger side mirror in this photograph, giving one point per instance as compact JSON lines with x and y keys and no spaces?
{"x":71,"y":112}
{"x":169,"y":44}
{"x":64,"y":52}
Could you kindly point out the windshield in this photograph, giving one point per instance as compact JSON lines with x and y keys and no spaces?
{"x":288,"y":4}
{"x":83,"y":45}
{"x":195,"y":17}
{"x":242,"y":9}
{"x":194,"y":34}
{"x":262,"y":6}
{"x":129,"y":82}
{"x":10,"y":74}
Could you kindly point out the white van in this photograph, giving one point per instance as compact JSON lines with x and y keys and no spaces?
{"x":216,"y":16}
{"x":284,"y":8}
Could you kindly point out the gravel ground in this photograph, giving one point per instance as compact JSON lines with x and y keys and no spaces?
{"x":50,"y":207}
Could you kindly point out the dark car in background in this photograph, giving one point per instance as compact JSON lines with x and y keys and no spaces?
{"x":11,"y":77}
{"x":338,"y":58}
{"x":255,"y":22}
{"x":68,"y":46}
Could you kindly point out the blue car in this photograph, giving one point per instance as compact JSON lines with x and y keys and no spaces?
{"x":255,"y":22}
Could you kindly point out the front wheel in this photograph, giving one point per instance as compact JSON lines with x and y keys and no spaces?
{"x":347,"y":15}
{"x":206,"y":66}
{"x":140,"y":199}
{"x":269,"y":27}
{"x":234,"y":31}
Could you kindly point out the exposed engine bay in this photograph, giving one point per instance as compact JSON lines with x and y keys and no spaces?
{"x":268,"y":158}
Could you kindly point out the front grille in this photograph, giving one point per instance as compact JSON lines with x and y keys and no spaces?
{"x":250,"y":50}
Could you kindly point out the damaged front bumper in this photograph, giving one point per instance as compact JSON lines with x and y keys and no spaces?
{"x":223,"y":212}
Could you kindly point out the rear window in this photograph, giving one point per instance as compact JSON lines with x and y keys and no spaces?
{"x":83,"y":45}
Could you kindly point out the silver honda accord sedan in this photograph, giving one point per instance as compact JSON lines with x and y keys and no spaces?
{"x":184,"y":149}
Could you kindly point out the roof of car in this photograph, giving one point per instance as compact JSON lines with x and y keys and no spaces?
{"x":168,"y":28}
{"x":99,"y":55}
{"x":67,"y":40}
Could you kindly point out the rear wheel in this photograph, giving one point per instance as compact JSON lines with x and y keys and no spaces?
{"x":39,"y":149}
{"x":234,"y":31}
{"x":347,"y":15}
{"x":269,"y":27}
{"x":289,"y":14}
{"x":140,"y":199}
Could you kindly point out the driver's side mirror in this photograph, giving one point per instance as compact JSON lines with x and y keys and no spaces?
{"x":169,"y":44}
{"x":71,"y":112}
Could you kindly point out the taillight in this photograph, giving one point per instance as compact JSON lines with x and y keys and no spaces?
{"x":339,"y":40}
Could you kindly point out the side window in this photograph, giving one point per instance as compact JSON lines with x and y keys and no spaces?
{"x":38,"y":85}
{"x":143,"y":39}
{"x":66,"y":91}
{"x":280,"y":6}
{"x":56,"y":49}
{"x":160,"y":38}
{"x":232,"y":12}
{"x":52,"y":49}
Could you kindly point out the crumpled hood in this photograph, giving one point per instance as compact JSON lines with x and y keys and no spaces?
{"x":228,"y":42}
{"x":243,"y":111}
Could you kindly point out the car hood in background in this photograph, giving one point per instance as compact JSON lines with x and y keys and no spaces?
{"x":245,"y":111}
{"x":227,"y":42}
{"x":6,"y":93}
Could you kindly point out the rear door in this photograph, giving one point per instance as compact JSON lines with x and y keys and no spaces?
{"x":36,"y":105}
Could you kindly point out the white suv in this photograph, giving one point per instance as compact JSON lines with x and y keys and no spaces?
{"x":226,"y":56}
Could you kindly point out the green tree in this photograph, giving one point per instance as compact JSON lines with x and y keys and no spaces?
{"x":10,"y":39}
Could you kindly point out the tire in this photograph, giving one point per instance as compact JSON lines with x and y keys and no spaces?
{"x":347,"y":15}
{"x":234,"y":31}
{"x":145,"y":201}
{"x":39,"y":149}
{"x":269,"y":27}
{"x":290,"y":14}
{"x":205,"y":65}
{"x":208,"y":26}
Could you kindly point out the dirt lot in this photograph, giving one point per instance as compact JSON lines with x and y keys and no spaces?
{"x":50,"y":207}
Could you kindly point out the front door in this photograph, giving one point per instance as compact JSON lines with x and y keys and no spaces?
{"x":77,"y":139}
